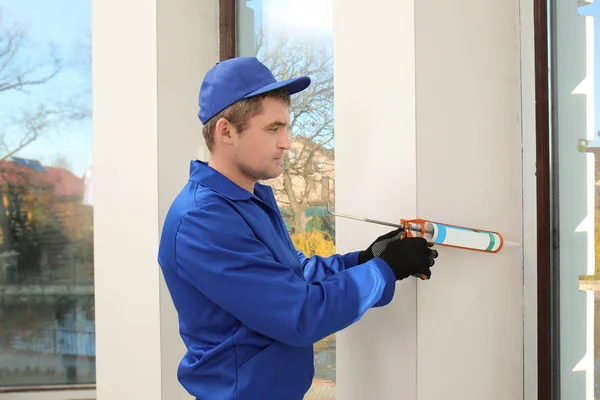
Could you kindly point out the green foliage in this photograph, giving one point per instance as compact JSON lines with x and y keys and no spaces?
{"x":323,"y":224}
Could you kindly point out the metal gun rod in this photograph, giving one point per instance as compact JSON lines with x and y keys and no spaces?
{"x":373,"y":221}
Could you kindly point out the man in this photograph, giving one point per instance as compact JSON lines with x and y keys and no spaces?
{"x":250,"y":305}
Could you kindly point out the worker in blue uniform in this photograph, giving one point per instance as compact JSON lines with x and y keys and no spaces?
{"x":250,"y":305}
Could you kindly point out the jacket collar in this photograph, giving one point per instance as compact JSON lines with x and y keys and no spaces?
{"x":207,"y":176}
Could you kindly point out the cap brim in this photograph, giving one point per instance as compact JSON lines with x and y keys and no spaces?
{"x":294,"y":85}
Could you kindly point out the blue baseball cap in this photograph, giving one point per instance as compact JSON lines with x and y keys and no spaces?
{"x":240,"y":78}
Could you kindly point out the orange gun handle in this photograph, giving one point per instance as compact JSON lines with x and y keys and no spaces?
{"x":420,"y":276}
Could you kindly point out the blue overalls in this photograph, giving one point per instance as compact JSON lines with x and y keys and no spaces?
{"x":250,"y":305}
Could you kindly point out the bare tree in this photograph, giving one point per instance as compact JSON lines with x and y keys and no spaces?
{"x":19,"y":74}
{"x":311,"y":114}
{"x":23,"y":71}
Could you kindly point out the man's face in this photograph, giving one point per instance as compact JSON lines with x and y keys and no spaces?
{"x":258,"y":150}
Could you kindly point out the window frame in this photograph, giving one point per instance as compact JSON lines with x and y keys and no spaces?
{"x":51,"y":392}
{"x":227,"y":30}
{"x":548,"y":348}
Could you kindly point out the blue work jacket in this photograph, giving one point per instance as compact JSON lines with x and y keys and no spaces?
{"x":250,"y":305}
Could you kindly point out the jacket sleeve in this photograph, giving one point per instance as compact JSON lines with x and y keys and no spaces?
{"x":218,"y":253}
{"x":317,"y":268}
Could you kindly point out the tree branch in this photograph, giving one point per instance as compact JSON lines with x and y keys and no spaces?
{"x":311,"y":114}
{"x":13,"y":76}
{"x":17,"y":74}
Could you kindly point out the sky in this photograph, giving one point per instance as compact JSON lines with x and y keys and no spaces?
{"x":593,"y":10}
{"x":65,"y":25}
{"x":303,"y":17}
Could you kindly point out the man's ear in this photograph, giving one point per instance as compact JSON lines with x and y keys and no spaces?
{"x":224,"y":131}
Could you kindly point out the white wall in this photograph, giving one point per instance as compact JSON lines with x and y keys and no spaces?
{"x":126,"y":197}
{"x":183,"y":60}
{"x":376,"y":177}
{"x":470,"y":317}
{"x":149,"y":58}
{"x":428,"y":124}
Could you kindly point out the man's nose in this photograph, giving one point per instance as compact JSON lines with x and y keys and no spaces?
{"x":284,"y":141}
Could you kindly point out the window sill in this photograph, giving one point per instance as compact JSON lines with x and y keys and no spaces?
{"x":50,"y":388}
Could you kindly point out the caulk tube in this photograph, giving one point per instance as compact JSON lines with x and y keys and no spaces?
{"x":465,"y":238}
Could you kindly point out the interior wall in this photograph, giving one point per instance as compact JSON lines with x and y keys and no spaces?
{"x":470,"y":316}
{"x":374,"y":73}
{"x":146,"y":131}
{"x":428,"y":125}
{"x":182,"y":62}
{"x":126,"y":199}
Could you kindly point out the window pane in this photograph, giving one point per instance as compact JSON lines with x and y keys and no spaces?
{"x":575,"y":144}
{"x":296,"y":38}
{"x":46,"y":228}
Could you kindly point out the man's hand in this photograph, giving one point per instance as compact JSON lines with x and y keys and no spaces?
{"x":409,"y":256}
{"x":379,"y":245}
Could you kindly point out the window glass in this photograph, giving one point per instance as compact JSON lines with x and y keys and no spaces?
{"x":575,"y":184}
{"x":294,"y":38}
{"x":46,"y":227}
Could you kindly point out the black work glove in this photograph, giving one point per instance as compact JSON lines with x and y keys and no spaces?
{"x":378,"y":246}
{"x":411,"y":256}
